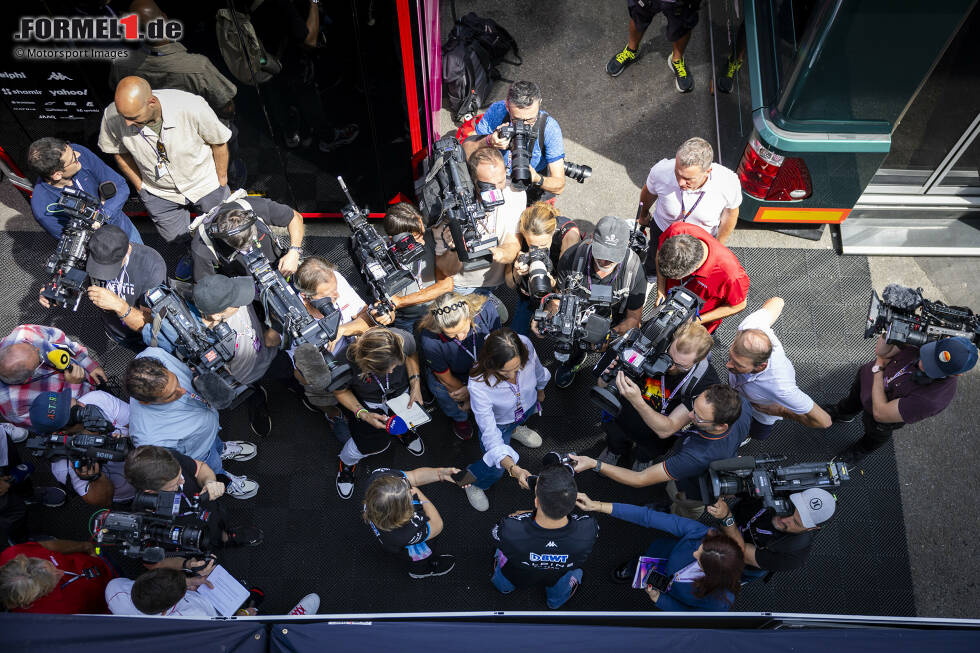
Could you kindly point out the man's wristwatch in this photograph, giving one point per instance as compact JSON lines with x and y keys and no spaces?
{"x":598,"y":466}
{"x":728,"y":521}
{"x":298,"y":248}
{"x":876,"y":368}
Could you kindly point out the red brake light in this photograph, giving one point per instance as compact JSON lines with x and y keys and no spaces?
{"x":773,"y":177}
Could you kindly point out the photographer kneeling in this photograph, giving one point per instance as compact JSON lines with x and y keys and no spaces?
{"x":404,"y":520}
{"x":156,"y":469}
{"x":606,"y":260}
{"x":704,"y":567}
{"x":770,"y":542}
{"x":545,"y":236}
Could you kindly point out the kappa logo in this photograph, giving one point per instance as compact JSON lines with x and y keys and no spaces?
{"x":551,"y":545}
{"x":59,"y":77}
{"x":816,"y":504}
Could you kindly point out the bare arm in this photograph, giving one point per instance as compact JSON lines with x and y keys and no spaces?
{"x":426,"y":475}
{"x":649,"y":476}
{"x":773,"y":308}
{"x":729,"y":218}
{"x":447,"y":379}
{"x":129,"y":169}
{"x":100,"y":490}
{"x":632,"y":319}
{"x":68,"y":546}
{"x":220,"y":155}
{"x":312,"y":26}
{"x":555,"y":181}
{"x":435,"y":519}
{"x":425,"y":295}
{"x":648,"y":200}
{"x":721,"y":311}
{"x":508,"y":250}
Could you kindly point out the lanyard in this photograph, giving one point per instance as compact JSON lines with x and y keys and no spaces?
{"x":889,"y":379}
{"x":88,"y":572}
{"x":663,"y":388}
{"x":468,"y":352}
{"x":685,"y":214}
{"x":761,"y":531}
{"x":194,"y":395}
{"x":384,"y":388}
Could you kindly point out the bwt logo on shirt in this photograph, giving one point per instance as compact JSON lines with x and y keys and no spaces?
{"x":548,"y":557}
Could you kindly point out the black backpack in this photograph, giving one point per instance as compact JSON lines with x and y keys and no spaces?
{"x":469,"y":59}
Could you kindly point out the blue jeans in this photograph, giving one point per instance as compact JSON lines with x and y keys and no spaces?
{"x":446,"y":403}
{"x":520,"y":321}
{"x":486,"y":291}
{"x":127,"y":225}
{"x":556,"y":594}
{"x":214,"y":456}
{"x":759,"y":431}
{"x":485,"y":475}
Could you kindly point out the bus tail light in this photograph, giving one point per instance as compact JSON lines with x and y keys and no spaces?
{"x":772,"y":177}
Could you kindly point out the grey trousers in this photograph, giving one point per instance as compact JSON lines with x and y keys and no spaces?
{"x":173,"y":219}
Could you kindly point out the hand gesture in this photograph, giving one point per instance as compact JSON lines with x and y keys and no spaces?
{"x":498,"y":142}
{"x":583,"y":501}
{"x":414,"y":393}
{"x":74,"y":373}
{"x":4,"y":485}
{"x":98,"y":375}
{"x":521,"y":269}
{"x":87,"y":471}
{"x":214,"y":489}
{"x":106,"y":299}
{"x":376,"y":420}
{"x":652,"y":593}
{"x":521,"y":475}
{"x":460,"y":394}
{"x":719,"y":509}
{"x":384,"y":318}
{"x":627,"y":389}
{"x":582,"y":463}
{"x":446,"y":473}
{"x":289,"y":263}
{"x":42,"y":300}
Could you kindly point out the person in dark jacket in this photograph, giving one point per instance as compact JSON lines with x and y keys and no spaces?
{"x":704,"y":566}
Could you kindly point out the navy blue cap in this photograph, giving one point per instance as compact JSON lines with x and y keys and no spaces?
{"x":942,"y":358}
{"x":50,"y":411}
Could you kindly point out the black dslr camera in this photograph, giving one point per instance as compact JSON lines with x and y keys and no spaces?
{"x":522,"y":138}
{"x":640,"y":354}
{"x":764,"y":479}
{"x":287,"y":313}
{"x":384,"y":265}
{"x":538,"y":261}
{"x":906,"y":318}
{"x":67,"y":264}
{"x":552,"y":459}
{"x":156,"y":528}
{"x":576,"y":321}
{"x":206,"y":351}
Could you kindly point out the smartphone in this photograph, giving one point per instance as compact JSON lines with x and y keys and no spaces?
{"x":657,"y":580}
{"x":464,"y":477}
{"x":532,"y":482}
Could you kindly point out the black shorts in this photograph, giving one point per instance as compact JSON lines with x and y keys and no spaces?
{"x":682,"y":16}
{"x":368,"y":439}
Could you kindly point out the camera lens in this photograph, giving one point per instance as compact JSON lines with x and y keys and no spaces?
{"x":537,"y":279}
{"x":577,"y":172}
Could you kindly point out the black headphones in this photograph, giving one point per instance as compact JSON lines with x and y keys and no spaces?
{"x":250,"y":219}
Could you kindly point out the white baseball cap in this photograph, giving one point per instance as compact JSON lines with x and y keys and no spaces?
{"x":815,"y":505}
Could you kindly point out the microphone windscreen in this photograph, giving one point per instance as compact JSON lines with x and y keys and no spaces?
{"x":310,"y":363}
{"x":396,"y":425}
{"x":215,"y":390}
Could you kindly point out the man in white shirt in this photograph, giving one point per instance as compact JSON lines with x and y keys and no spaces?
{"x":171,"y":147}
{"x":161,"y":591}
{"x":487,"y":166}
{"x":690,"y":188}
{"x":760,"y":371}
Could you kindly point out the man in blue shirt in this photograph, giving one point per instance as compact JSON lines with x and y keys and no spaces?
{"x":59,"y":164}
{"x":711,"y":430}
{"x":548,"y":149}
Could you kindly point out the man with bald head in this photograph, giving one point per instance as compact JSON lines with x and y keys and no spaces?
{"x":171,"y":146}
{"x":759,"y":370}
{"x":27,"y":369}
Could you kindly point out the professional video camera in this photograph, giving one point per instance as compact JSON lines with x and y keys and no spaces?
{"x":206,"y":351}
{"x":576,"y":320}
{"x":384,"y":265}
{"x":764,"y":479}
{"x":84,"y":448}
{"x":906,"y":318}
{"x":287,"y":314}
{"x":67,"y":264}
{"x":156,"y":528}
{"x":642,"y":353}
{"x":552,"y":459}
{"x":446,"y":194}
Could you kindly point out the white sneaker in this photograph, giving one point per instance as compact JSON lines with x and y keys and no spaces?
{"x":239,"y":450}
{"x":477,"y":498}
{"x":241,"y":487}
{"x":526,"y":436}
{"x":16,"y":433}
{"x":309,"y":604}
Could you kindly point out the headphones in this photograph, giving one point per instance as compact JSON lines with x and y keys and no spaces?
{"x":250,"y":219}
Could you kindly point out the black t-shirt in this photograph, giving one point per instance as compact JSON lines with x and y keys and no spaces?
{"x":188,"y":467}
{"x":414,"y":531}
{"x":205,"y":263}
{"x":775,"y":550}
{"x":144,"y":271}
{"x":656,"y":390}
{"x":562,"y":228}
{"x":377,"y":390}
{"x":636,"y":296}
{"x":537,"y":555}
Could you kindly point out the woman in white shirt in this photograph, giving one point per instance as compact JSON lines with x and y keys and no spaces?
{"x":506,"y":387}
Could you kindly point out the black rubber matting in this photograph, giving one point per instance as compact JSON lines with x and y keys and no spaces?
{"x":316,"y":542}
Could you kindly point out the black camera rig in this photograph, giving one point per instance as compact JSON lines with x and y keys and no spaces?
{"x":906,"y":318}
{"x":206,"y":351}
{"x":85,"y":448}
{"x":538,"y":262}
{"x":642,"y":353}
{"x":764,"y":479}
{"x":156,"y":528}
{"x":287,"y":314}
{"x":384,"y":264}
{"x":67,"y":265}
{"x":457,"y":205}
{"x":522,"y":136}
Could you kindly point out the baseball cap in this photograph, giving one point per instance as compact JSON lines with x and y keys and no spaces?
{"x":50,"y":411}
{"x":106,"y":250}
{"x":216,"y":293}
{"x":611,"y":239}
{"x":942,"y":358}
{"x":815,"y":505}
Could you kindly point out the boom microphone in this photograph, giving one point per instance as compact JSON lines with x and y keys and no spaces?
{"x":215,"y":390}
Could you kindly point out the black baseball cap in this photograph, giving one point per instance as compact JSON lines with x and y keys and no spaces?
{"x":216,"y":293}
{"x":611,"y":239}
{"x":107,"y":248}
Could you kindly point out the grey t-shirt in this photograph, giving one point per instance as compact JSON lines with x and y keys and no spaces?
{"x":424,"y":272}
{"x":252,"y":357}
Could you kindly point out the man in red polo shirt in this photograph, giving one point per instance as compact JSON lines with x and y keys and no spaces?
{"x":688,"y":256}
{"x":54,"y":577}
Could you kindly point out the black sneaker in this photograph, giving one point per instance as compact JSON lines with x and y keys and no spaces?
{"x":682,"y":78}
{"x":439,"y":565}
{"x":48,"y":496}
{"x":851,"y":457}
{"x":244,"y":536}
{"x":345,"y":480}
{"x":259,"y":419}
{"x":413,"y":442}
{"x":835,"y":414}
{"x":726,"y":80}
{"x":565,"y":374}
{"x":620,"y":61}
{"x":624,"y":573}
